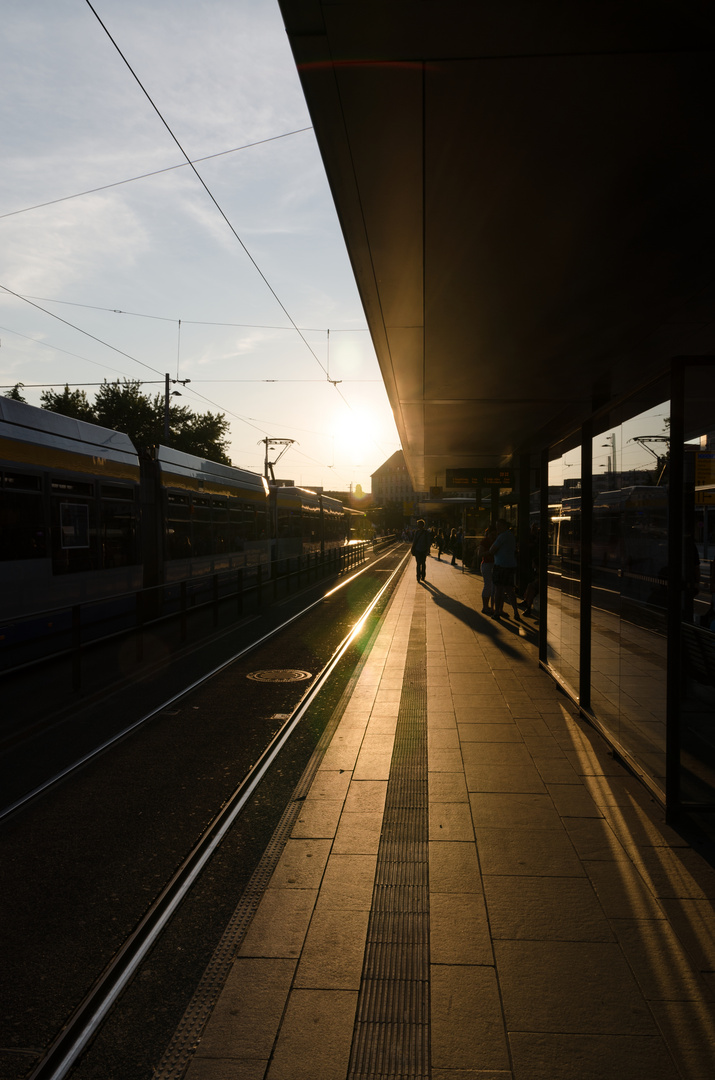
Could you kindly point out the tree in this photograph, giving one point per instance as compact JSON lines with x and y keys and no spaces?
{"x":121,"y":406}
{"x":15,"y":394}
{"x":68,"y":403}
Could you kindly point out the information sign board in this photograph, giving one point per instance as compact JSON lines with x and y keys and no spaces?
{"x":478,"y":478}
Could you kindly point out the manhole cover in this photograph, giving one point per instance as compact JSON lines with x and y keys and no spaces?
{"x":282,"y":675}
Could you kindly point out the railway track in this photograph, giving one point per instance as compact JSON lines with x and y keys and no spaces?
{"x":212,"y":768}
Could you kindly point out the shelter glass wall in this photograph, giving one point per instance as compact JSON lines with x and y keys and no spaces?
{"x":697,"y":593}
{"x":564,"y":568}
{"x":629,"y":575}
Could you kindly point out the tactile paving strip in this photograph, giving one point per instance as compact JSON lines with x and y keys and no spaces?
{"x":391,"y":1036}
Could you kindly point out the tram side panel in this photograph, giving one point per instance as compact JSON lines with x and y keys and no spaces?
{"x":69,"y":512}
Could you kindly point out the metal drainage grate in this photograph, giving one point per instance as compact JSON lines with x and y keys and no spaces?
{"x":284,"y":675}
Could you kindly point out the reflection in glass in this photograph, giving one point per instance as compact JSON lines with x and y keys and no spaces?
{"x":564,"y":567}
{"x":629,"y":568}
{"x":697,"y":751}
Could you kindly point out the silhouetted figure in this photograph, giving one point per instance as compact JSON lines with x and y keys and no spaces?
{"x":421,"y":544}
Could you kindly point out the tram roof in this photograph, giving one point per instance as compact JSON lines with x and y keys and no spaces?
{"x":525,"y":191}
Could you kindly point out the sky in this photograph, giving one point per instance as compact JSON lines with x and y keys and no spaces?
{"x":245,"y":288}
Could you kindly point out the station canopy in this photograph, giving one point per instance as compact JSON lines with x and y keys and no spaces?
{"x":526,"y":195}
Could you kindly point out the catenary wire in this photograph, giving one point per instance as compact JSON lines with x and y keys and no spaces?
{"x":155,"y":172}
{"x":80,"y":330}
{"x":203,"y":322}
{"x":215,"y":201}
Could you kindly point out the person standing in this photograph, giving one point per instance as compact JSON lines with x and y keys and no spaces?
{"x":486,"y":565}
{"x":504,"y":551}
{"x":421,"y":543}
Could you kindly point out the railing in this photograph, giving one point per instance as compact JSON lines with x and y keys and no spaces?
{"x":205,"y":602}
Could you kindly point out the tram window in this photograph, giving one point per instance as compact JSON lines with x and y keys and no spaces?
{"x":249,"y":523}
{"x":200,"y":511}
{"x":117,"y":491}
{"x":74,"y":537}
{"x":118,"y":533}
{"x":177,"y":507}
{"x":23,"y":534}
{"x":201,"y":538}
{"x":22,"y":482}
{"x":71,"y":487}
{"x":261,"y":531}
{"x":178,"y":540}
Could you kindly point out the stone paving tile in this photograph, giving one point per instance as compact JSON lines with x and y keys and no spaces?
{"x":545,"y":908}
{"x":498,"y":778}
{"x":315,"y":1037}
{"x":334,"y":948}
{"x":526,"y":851}
{"x":318,"y":818}
{"x":663,"y":968}
{"x":694,"y":923}
{"x":594,"y":839}
{"x":247,"y":1016}
{"x":445,"y":761}
{"x":555,"y":771}
{"x":688,"y":1028}
{"x":447,"y":787}
{"x":484,"y":733}
{"x":454,"y":868}
{"x":459,"y":930}
{"x":679,"y":873}
{"x":348,"y":883}
{"x":441,"y":718}
{"x":539,"y":1056}
{"x":572,"y":800}
{"x":622,"y":891}
{"x":330,"y":784}
{"x":280,"y":924}
{"x":572,"y":987}
{"x":450,"y":821}
{"x":372,"y":764}
{"x":495,"y":753}
{"x":443,"y":738}
{"x":301,"y":864}
{"x":358,"y":834}
{"x":500,"y":810}
{"x":467,"y":1029}
{"x":366,"y":795}
{"x":219,"y":1068}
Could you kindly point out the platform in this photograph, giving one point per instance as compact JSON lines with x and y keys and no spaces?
{"x":470,"y":888}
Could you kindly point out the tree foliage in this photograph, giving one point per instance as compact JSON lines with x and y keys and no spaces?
{"x":121,"y":406}
{"x":15,"y":393}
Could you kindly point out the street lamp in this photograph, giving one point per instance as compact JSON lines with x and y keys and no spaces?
{"x":170,"y":394}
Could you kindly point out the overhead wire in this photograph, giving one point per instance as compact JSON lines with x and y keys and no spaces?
{"x":202,"y":322}
{"x":154,"y":172}
{"x":80,"y":330}
{"x":215,"y":202}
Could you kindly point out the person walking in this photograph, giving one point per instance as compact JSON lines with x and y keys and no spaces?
{"x":504,"y":551}
{"x":486,"y":565}
{"x":421,"y":543}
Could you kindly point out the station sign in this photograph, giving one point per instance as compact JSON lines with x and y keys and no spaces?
{"x":478,"y":478}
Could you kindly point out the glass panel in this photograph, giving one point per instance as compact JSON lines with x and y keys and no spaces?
{"x":629,"y":584}
{"x":697,"y":750}
{"x":564,"y":568}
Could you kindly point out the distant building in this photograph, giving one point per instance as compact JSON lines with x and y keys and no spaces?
{"x":391,"y":485}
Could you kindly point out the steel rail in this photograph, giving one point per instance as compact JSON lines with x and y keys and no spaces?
{"x":103,"y":747}
{"x":89,"y":1014}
